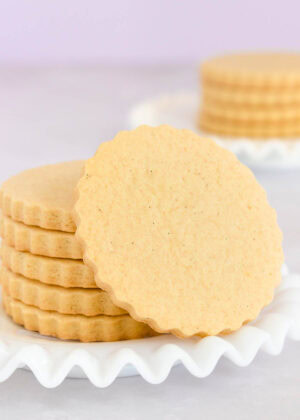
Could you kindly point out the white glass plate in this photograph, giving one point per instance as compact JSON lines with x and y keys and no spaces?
{"x":180,"y":110}
{"x":52,"y":360}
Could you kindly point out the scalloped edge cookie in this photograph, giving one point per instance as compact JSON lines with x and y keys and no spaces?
{"x":42,"y":196}
{"x":57,"y":271}
{"x":49,"y":243}
{"x":266,"y":117}
{"x":263,"y":70}
{"x":147,"y":206}
{"x":71,"y":301}
{"x":75,"y":327}
{"x":250,"y":97}
{"x":228,"y":128}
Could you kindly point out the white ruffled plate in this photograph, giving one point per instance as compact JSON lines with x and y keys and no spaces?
{"x":180,"y":109}
{"x":51,"y":360}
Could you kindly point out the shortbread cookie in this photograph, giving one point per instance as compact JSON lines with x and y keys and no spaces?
{"x":267,"y":116}
{"x":255,"y":124}
{"x":50,"y":243}
{"x":75,"y":327}
{"x":262,"y":131}
{"x":240,"y":132}
{"x":58,"y":271}
{"x":42,"y":196}
{"x":251,"y":97}
{"x":178,"y":231}
{"x":72,"y":301}
{"x":281,"y":70}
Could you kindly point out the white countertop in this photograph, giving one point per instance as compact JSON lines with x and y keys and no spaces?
{"x":56,"y":114}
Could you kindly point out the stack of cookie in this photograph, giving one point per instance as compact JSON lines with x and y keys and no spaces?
{"x":45,"y":285}
{"x":251,"y":95}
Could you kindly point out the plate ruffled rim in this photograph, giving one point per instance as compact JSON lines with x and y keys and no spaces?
{"x":51,"y":360}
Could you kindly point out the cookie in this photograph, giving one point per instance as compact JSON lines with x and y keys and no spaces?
{"x":50,"y":243}
{"x":251,"y":97}
{"x":255,"y":124}
{"x":224,"y":127}
{"x":57,"y":271}
{"x":178,"y":231}
{"x":265,"y":70}
{"x":72,"y":301}
{"x":239,"y":132}
{"x":42,"y":196}
{"x":265,"y":116}
{"x":75,"y":327}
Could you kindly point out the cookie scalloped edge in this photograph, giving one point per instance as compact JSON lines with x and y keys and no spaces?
{"x":35,"y":215}
{"x":129,"y":308}
{"x":54,"y":271}
{"x":51,"y":362}
{"x":72,"y":301}
{"x":36,"y":240}
{"x":213,"y":74}
{"x":75,"y":327}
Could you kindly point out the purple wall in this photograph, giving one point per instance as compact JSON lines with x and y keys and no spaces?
{"x":142,"y":30}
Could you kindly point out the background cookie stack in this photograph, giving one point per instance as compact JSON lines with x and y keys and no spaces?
{"x":45,"y":285}
{"x":251,"y":95}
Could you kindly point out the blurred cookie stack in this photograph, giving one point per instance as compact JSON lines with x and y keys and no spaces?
{"x":251,"y":95}
{"x":46,"y":287}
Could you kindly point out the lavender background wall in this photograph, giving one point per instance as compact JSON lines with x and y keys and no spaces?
{"x":129,"y":31}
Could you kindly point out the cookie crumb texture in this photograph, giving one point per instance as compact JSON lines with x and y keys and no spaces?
{"x":178,"y":231}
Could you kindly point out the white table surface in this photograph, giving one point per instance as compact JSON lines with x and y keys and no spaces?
{"x":59,"y":113}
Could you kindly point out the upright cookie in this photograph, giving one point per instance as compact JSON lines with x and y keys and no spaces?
{"x":178,"y":231}
{"x":42,"y":196}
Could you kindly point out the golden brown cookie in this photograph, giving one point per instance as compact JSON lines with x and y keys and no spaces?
{"x":264,"y":116}
{"x":42,"y":196}
{"x":281,"y":70}
{"x":75,"y":327}
{"x":251,"y":129}
{"x":251,"y":97}
{"x":72,"y":301}
{"x":58,"y":271}
{"x":50,"y":243}
{"x":178,"y":231}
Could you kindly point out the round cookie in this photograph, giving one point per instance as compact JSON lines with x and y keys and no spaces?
{"x":264,"y":70}
{"x":212,"y":125}
{"x":281,"y":115}
{"x":75,"y":327}
{"x":57,"y":271}
{"x":72,"y":301}
{"x":178,"y":231}
{"x":50,"y":243}
{"x":42,"y":196}
{"x":227,"y":96}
